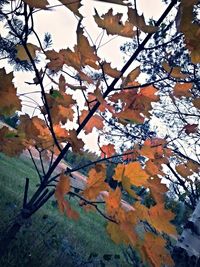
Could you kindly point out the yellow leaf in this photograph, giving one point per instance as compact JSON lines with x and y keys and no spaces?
{"x":136,"y":174}
{"x":119,"y":172}
{"x":22,"y":54}
{"x":116,"y":234}
{"x":95,"y":182}
{"x":160,"y":219}
{"x":37,"y":3}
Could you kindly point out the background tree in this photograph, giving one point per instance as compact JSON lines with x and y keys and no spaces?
{"x":144,"y":223}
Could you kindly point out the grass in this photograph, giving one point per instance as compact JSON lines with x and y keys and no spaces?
{"x":50,"y":239}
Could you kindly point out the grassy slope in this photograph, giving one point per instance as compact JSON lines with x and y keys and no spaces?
{"x":49,"y":239}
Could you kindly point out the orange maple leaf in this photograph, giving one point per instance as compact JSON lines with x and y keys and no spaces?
{"x":95,"y":182}
{"x":154,"y":251}
{"x":96,"y":121}
{"x":62,"y":188}
{"x":107,"y":150}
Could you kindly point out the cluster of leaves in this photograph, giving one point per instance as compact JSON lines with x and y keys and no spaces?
{"x":169,"y":65}
{"x":144,"y":227}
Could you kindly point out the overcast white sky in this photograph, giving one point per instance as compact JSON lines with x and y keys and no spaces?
{"x":61,"y":23}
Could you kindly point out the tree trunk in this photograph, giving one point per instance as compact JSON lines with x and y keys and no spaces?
{"x":187,"y":250}
{"x":11,"y":233}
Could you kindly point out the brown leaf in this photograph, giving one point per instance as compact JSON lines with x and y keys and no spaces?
{"x":110,"y":71}
{"x":9,"y":101}
{"x":73,"y":5}
{"x":174,"y":71}
{"x":62,"y":188}
{"x":191,"y":128}
{"x":22,"y":54}
{"x":182,"y":89}
{"x":113,"y":24}
{"x":37,"y":3}
{"x":76,"y":143}
{"x":196,"y":103}
{"x":139,"y":21}
{"x":11,"y":143}
{"x":96,"y":121}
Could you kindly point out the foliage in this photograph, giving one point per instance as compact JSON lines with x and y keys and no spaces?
{"x":116,"y":95}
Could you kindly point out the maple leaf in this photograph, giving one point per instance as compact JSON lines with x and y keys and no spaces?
{"x":9,"y":101}
{"x":190,"y":30}
{"x":22,"y":54}
{"x":139,"y":22}
{"x":71,"y":214}
{"x":76,"y":143}
{"x":136,"y":174}
{"x":56,"y":60}
{"x":96,"y":121}
{"x":183,"y":170}
{"x":155,"y":148}
{"x":61,"y":83}
{"x":62,"y":188}
{"x":37,"y":3}
{"x":160,"y":219}
{"x":174,"y":71}
{"x":130,"y":79}
{"x":196,"y":103}
{"x":59,"y":105}
{"x":88,"y":53}
{"x":73,"y":5}
{"x":113,"y":201}
{"x":95,"y":182}
{"x":119,"y":172}
{"x":154,"y":251}
{"x":182,"y":89}
{"x":113,"y":24}
{"x":153,"y":168}
{"x":116,"y":234}
{"x":110,"y":71}
{"x":157,"y":189}
{"x":137,"y":104}
{"x":11,"y":143}
{"x":130,"y":174}
{"x":190,"y":128}
{"x":107,"y":151}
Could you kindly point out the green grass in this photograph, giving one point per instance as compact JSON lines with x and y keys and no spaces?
{"x":49,"y":239}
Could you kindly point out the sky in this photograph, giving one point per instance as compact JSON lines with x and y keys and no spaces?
{"x":62,"y":23}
